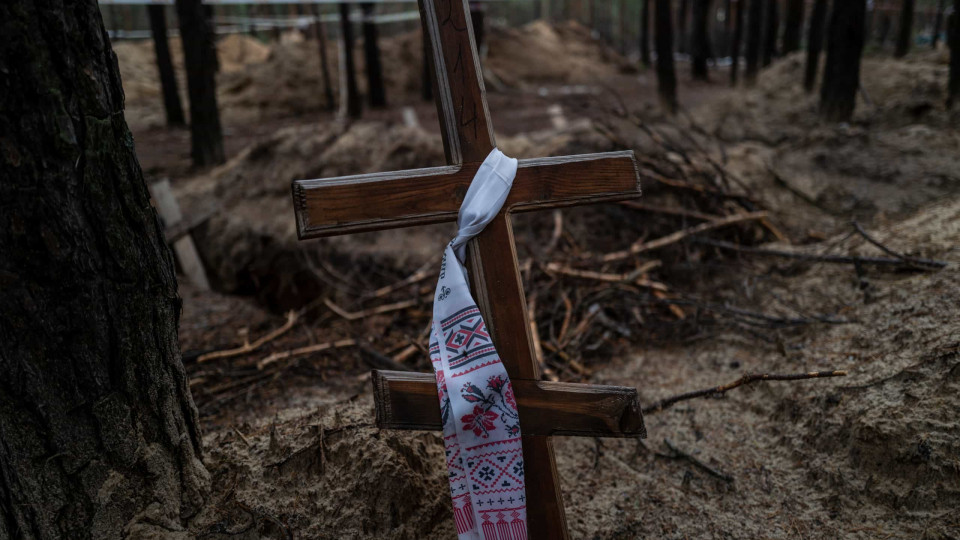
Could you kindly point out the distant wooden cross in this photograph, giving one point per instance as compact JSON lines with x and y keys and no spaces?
{"x":373,"y":202}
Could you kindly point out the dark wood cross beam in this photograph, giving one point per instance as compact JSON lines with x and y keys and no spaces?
{"x":372,"y":202}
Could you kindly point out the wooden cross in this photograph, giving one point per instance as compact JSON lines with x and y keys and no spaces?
{"x":372,"y":202}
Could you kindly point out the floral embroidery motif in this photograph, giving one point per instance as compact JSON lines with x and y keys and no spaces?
{"x":497,"y":404}
{"x":481,"y":421}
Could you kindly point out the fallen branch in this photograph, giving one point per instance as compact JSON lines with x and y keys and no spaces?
{"x":680,"y":454}
{"x":680,"y":235}
{"x":250,"y":347}
{"x":920,"y":264}
{"x":835,"y":259}
{"x":746,"y":379}
{"x":379,"y":310}
{"x":300,"y":351}
{"x":634,"y":278}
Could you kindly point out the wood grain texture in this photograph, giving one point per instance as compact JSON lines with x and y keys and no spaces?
{"x":370,"y":202}
{"x":408,"y":400}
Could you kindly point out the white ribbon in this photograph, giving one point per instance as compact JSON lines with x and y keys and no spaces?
{"x":481,"y":426}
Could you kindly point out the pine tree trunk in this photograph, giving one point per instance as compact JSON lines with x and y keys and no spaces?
{"x":645,"y":33}
{"x":321,"y":37}
{"x":350,"y":105}
{"x":754,"y":32}
{"x":841,"y":74}
{"x":168,"y":79}
{"x":377,"y":93}
{"x":938,"y":24}
{"x":735,"y":44}
{"x":884,"y":32}
{"x":700,"y":41}
{"x":771,"y":31}
{"x":818,"y":22}
{"x":904,"y":30}
{"x":200,"y":59}
{"x":99,"y":436}
{"x":682,"y":17}
{"x":953,"y":40}
{"x":793,"y":26}
{"x":663,"y":41}
{"x":426,"y":71}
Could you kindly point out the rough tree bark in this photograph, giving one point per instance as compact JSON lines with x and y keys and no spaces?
{"x":793,"y":26}
{"x":321,"y":37}
{"x":663,"y":41}
{"x":841,"y":74}
{"x":771,"y":31}
{"x":168,"y":79}
{"x":818,"y":22}
{"x":99,"y":436}
{"x":904,"y":29}
{"x":700,"y":40}
{"x":953,"y":40}
{"x":377,"y":92}
{"x":200,"y":59}
{"x":938,"y":23}
{"x":682,"y":18}
{"x":645,"y":32}
{"x":754,"y":32}
{"x":735,"y":44}
{"x":350,"y":105}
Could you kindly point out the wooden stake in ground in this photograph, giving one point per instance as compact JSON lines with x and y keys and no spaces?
{"x":841,"y":74}
{"x":382,"y":201}
{"x":666,"y":72}
{"x":376,"y":91}
{"x":184,"y":247}
{"x":168,"y":79}
{"x":818,"y":22}
{"x":200,"y":59}
{"x":350,"y":106}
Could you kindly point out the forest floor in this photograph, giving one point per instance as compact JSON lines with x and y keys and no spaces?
{"x":290,"y":444}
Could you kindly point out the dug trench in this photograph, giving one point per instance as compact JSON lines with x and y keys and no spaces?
{"x":291,"y":445}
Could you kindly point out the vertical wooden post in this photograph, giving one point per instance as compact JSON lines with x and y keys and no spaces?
{"x":184,"y":247}
{"x":350,"y":106}
{"x":168,"y":79}
{"x":206,"y":137}
{"x":376,"y":91}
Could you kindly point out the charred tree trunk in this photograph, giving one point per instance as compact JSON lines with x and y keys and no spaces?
{"x":841,"y":74}
{"x":663,"y":41}
{"x":818,"y":22}
{"x":938,"y":23}
{"x":645,"y":33}
{"x":754,"y":32}
{"x":793,"y":26}
{"x":682,"y":17}
{"x":321,"y":36}
{"x":735,"y":44}
{"x":953,"y":40}
{"x":426,"y":73}
{"x":168,"y":79}
{"x":99,"y":436}
{"x":200,"y":59}
{"x":771,"y":31}
{"x":377,"y":93}
{"x":905,"y":29}
{"x":700,"y":41}
{"x":350,"y":105}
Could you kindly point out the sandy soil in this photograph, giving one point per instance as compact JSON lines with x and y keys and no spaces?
{"x":872,"y":455}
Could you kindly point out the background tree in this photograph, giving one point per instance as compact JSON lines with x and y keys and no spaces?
{"x":371,"y":54}
{"x":350,"y":105}
{"x":168,"y":79}
{"x":841,"y":74}
{"x":953,"y":40}
{"x":905,"y":30}
{"x":99,"y":436}
{"x":735,"y":42}
{"x":700,"y":40}
{"x":321,"y":37}
{"x":200,"y":60}
{"x":818,"y":22}
{"x":793,"y":26}
{"x":663,"y":41}
{"x":683,"y":15}
{"x":938,"y":23}
{"x":754,"y":30}
{"x":771,"y":31}
{"x":645,"y":32}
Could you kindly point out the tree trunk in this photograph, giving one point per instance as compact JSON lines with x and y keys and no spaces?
{"x":682,"y":17}
{"x":736,"y":42}
{"x":700,"y":41}
{"x":168,"y":79}
{"x":99,"y":436}
{"x":377,"y":93}
{"x":793,"y":26}
{"x":754,"y":31}
{"x":771,"y":31}
{"x":426,"y":73}
{"x":904,"y":30}
{"x":200,"y":59}
{"x":350,"y":105}
{"x":818,"y":21}
{"x":477,"y":22}
{"x":953,"y":40}
{"x":841,"y":74}
{"x":938,"y":24}
{"x":645,"y":33}
{"x":321,"y":36}
{"x":884,"y":32}
{"x":663,"y":41}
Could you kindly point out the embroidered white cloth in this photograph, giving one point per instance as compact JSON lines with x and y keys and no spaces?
{"x":481,"y":427}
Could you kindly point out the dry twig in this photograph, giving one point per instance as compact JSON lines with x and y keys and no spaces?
{"x":928,"y":264}
{"x":250,"y":347}
{"x":319,"y":347}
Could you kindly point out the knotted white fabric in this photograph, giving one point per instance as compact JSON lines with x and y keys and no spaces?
{"x":481,"y":426}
